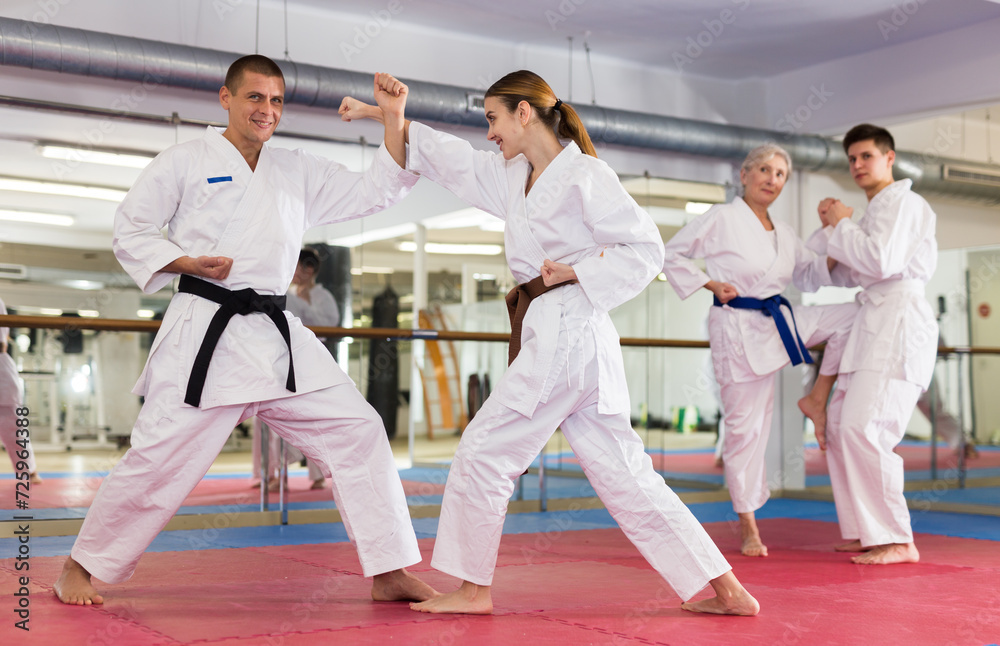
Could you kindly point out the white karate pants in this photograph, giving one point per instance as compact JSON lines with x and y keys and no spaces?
{"x":749,"y":406}
{"x":499,"y":444}
{"x":292,"y":454}
{"x":173,"y":447}
{"x":867,"y":419}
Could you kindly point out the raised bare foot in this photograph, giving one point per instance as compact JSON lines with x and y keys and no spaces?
{"x":816,"y":411}
{"x":469,"y":599}
{"x":35,"y":478}
{"x":753,"y":547}
{"x":318,"y":483}
{"x":891,"y":553}
{"x":400,"y":585}
{"x":74,"y":587}
{"x":853,"y":546}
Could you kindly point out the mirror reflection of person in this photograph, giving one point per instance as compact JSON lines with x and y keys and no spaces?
{"x":750,"y":261}
{"x":315,"y":306}
{"x":11,"y":398}
{"x":236,"y":211}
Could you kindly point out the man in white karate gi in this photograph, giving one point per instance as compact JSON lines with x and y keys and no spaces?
{"x":889,"y":359}
{"x":235,"y":211}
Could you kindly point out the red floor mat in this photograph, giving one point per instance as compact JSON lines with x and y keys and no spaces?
{"x":581,"y":587}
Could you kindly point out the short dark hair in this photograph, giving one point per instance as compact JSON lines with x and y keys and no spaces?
{"x":309,"y":258}
{"x":880,"y":136}
{"x":254,"y":63}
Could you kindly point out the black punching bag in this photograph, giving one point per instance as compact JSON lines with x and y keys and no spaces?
{"x":383,"y":362}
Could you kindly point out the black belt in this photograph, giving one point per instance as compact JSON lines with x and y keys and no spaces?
{"x":242,"y":302}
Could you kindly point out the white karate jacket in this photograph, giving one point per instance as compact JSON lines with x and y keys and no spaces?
{"x":891,"y":252}
{"x":739,"y":251}
{"x":577,"y":213}
{"x":204,"y":192}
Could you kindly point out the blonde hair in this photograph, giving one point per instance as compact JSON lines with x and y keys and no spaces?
{"x":560,"y":117}
{"x":762,"y":153}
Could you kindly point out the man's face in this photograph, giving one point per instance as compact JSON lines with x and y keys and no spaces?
{"x":254,"y":107}
{"x":870,"y":167}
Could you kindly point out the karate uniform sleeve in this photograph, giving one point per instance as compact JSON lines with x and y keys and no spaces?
{"x":881,"y":250}
{"x":692,"y":241}
{"x":811,"y":271}
{"x":148,"y":207}
{"x":631,"y":256}
{"x":840,"y":275}
{"x":476,"y":176}
{"x":335,"y":194}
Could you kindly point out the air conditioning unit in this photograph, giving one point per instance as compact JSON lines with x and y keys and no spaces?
{"x":972,"y":175}
{"x":13,"y":272}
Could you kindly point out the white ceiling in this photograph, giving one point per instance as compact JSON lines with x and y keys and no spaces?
{"x":763,"y":38}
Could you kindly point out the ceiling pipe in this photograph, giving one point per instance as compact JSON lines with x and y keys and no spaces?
{"x":152,"y":63}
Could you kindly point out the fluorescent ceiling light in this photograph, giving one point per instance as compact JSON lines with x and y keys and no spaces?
{"x":454,"y":249}
{"x":88,"y":314}
{"x":50,"y":311}
{"x":697,"y":208}
{"x":54,"y":188}
{"x":357,"y":271}
{"x":92,"y":156}
{"x":145,"y":314}
{"x":30,"y":217}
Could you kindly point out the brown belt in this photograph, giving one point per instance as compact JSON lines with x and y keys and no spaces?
{"x":518,"y":300}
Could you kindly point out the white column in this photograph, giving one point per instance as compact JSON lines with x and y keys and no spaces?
{"x":417,"y":347}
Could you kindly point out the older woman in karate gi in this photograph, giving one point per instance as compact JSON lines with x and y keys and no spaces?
{"x":567,"y":219}
{"x":750,"y":260}
{"x":10,"y":399}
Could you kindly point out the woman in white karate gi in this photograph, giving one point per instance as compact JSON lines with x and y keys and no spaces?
{"x":567,"y":219}
{"x":748,"y":255}
{"x":10,"y":401}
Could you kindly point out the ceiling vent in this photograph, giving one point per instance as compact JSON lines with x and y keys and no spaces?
{"x":13,"y":272}
{"x":972,"y":175}
{"x":475,"y":102}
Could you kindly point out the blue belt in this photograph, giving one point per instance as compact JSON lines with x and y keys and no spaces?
{"x":795,"y":348}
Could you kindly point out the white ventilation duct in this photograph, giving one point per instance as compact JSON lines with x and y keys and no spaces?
{"x":88,"y":53}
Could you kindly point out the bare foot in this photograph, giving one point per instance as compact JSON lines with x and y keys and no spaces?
{"x":469,"y":599}
{"x":74,"y":587}
{"x":318,"y":483}
{"x":971,"y":452}
{"x":891,"y":553}
{"x":853,"y":546}
{"x":35,"y":478}
{"x":400,"y":585}
{"x":719,"y":462}
{"x":273,"y":484}
{"x":731,"y":599}
{"x":816,"y":411}
{"x":752,"y":545}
